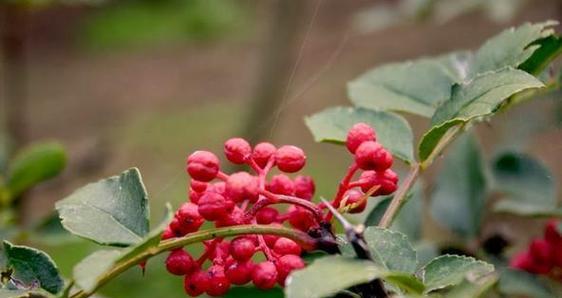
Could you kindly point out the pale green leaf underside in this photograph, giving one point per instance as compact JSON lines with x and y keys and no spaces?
{"x":449,"y":270}
{"x":393,"y":132}
{"x":475,"y":100}
{"x":112,"y":211}
{"x":87,"y":273}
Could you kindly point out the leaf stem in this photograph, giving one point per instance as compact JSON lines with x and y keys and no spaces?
{"x":302,"y":238}
{"x":449,"y":136}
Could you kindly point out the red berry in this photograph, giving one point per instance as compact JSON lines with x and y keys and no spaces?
{"x":179,"y":262}
{"x":525,"y":261}
{"x":551,"y":233}
{"x":267,"y":215}
{"x":281,"y":184}
{"x":213,"y":206}
{"x":262,"y":153}
{"x":189,"y":218}
{"x":290,"y":159}
{"x":196,"y":283}
{"x":358,"y":134}
{"x":287,"y":264}
{"x":242,"y":186}
{"x":218,"y":283}
{"x":218,"y":187}
{"x":236,"y":217}
{"x":198,"y":186}
{"x":237,"y":150}
{"x":387,"y":182}
{"x":221,"y":252}
{"x":301,"y":218}
{"x":371,"y":155}
{"x":203,"y":166}
{"x":285,"y":246}
{"x":264,"y":275}
{"x":242,"y":249}
{"x":239,"y":273}
{"x":168,"y":233}
{"x":541,"y":251}
{"x":354,"y":196}
{"x":304,"y":187}
{"x":194,"y":196}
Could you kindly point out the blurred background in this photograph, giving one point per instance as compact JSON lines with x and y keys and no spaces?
{"x":145,"y":82}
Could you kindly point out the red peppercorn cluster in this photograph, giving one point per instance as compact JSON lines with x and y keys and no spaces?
{"x":544,"y":255}
{"x":247,"y":198}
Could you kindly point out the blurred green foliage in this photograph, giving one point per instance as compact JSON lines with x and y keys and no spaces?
{"x":140,"y":23}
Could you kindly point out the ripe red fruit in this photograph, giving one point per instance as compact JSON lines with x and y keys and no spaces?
{"x":196,"y":283}
{"x":221,"y":252}
{"x":189,"y":218}
{"x":371,"y":155}
{"x":287,"y":264}
{"x":239,"y":273}
{"x":525,"y":261}
{"x":262,"y":153}
{"x":281,"y":184}
{"x":242,"y":186}
{"x":218,"y":187}
{"x":551,"y":233}
{"x":354,"y":196}
{"x":236,"y":217}
{"x":285,"y":246}
{"x":267,"y":215}
{"x":218,"y":283}
{"x":242,"y":248}
{"x":213,"y":206}
{"x":301,"y":218}
{"x":198,"y":186}
{"x":387,"y":181}
{"x":237,"y":150}
{"x":194,"y":196}
{"x":264,"y":275}
{"x":358,"y":134}
{"x":290,"y":159}
{"x":304,"y":187}
{"x":168,"y":233}
{"x":179,"y":262}
{"x":541,"y":251}
{"x":203,"y":166}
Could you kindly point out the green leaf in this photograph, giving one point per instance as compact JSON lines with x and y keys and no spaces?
{"x":35,"y":164}
{"x":393,"y":132}
{"x":330,"y":275}
{"x":88,"y":272}
{"x":31,"y":265}
{"x":460,"y":192}
{"x":513,"y":47}
{"x":474,"y":100}
{"x":522,"y":284}
{"x":416,"y":87}
{"x":112,"y":211}
{"x":391,"y":250}
{"x":527,"y":183}
{"x":408,"y":220}
{"x":449,"y":270}
{"x":473,"y":289}
{"x":549,"y":48}
{"x":5,"y":293}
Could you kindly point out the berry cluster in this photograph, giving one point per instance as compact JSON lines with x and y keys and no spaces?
{"x":243,"y":198}
{"x":544,"y":255}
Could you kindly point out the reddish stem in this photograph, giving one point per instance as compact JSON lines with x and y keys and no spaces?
{"x":271,"y":198}
{"x":222,"y":176}
{"x":343,"y":187}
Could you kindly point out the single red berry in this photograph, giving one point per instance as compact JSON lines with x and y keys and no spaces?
{"x":264,"y":275}
{"x":387,"y":182}
{"x":198,"y":186}
{"x":290,"y":159}
{"x":301,"y":218}
{"x":358,"y":134}
{"x":194,"y":196}
{"x":242,"y":249}
{"x":239,"y":273}
{"x":262,"y":153}
{"x":304,"y":187}
{"x":236,"y":217}
{"x":237,"y":150}
{"x":551,"y":233}
{"x":175,"y":226}
{"x":189,"y":218}
{"x":168,"y":233}
{"x":267,"y":215}
{"x":218,"y":187}
{"x":285,"y":246}
{"x":281,"y":184}
{"x":355,"y":196}
{"x":371,"y":155}
{"x":541,"y":251}
{"x":525,"y":261}
{"x":213,"y":206}
{"x":242,"y":186}
{"x":196,"y":283}
{"x":179,"y":262}
{"x":218,"y":283}
{"x":287,"y":264}
{"x":221,"y":252}
{"x":203,"y":166}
